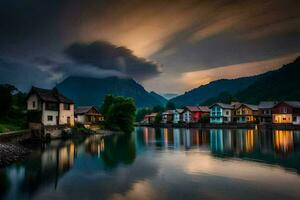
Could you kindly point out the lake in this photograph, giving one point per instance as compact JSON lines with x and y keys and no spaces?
{"x":161,"y":164}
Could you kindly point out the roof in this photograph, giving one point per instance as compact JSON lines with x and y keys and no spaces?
{"x":50,"y":95}
{"x":193,"y":108}
{"x":151,"y":115}
{"x":168,"y":112}
{"x":252,"y":107}
{"x":84,"y":109}
{"x":267,"y":104}
{"x":223,"y":105}
{"x":295,"y":104}
{"x":204,"y":108}
{"x":179,"y":110}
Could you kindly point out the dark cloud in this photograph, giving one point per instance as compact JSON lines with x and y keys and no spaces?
{"x":110,"y":57}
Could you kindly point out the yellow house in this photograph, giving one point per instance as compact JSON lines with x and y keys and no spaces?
{"x":246,"y":113}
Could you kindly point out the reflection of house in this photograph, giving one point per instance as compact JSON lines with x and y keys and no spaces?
{"x":149,"y":119}
{"x":55,"y":108}
{"x":167,"y":116}
{"x":178,"y":116}
{"x":192,"y":114}
{"x":286,"y":112}
{"x":283,"y":141}
{"x":265,"y":111}
{"x":88,"y":115}
{"x":220,"y":113}
{"x":246,"y":113}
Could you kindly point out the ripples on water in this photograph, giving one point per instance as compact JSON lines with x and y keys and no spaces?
{"x":161,"y":164}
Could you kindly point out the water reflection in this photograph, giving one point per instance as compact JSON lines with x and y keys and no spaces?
{"x":129,"y":161}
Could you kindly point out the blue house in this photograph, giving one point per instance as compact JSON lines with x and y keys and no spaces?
{"x":221,"y":113}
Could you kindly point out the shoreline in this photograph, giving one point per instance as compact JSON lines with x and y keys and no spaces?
{"x":225,"y":126}
{"x":16,"y":146}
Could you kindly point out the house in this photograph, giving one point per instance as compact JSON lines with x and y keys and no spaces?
{"x":221,"y":113}
{"x":49,"y":111}
{"x":246,"y":113}
{"x":167,"y":116}
{"x":149,"y":119}
{"x":265,"y":111}
{"x":192,"y":114}
{"x":178,"y":116}
{"x":286,"y":112}
{"x":88,"y":115}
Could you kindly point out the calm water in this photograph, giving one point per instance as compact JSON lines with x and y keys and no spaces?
{"x":161,"y":164}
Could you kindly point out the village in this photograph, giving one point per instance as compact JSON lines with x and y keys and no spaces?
{"x":285,"y":114}
{"x":51,"y":114}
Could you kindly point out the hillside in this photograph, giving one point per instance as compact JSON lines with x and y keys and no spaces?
{"x":91,"y":91}
{"x":204,"y":92}
{"x":281,"y":84}
{"x":160,"y":98}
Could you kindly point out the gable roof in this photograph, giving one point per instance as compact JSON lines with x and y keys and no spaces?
{"x":84,"y":109}
{"x":252,"y":107}
{"x":192,"y":108}
{"x":223,"y":105}
{"x":267,"y":104}
{"x":168,"y":112}
{"x":295,"y":104}
{"x":179,"y":110}
{"x":49,"y":95}
{"x":204,"y":108}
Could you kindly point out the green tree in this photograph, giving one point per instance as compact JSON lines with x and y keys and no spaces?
{"x":140,"y":114}
{"x":119,"y":113}
{"x":6,"y":99}
{"x":158,"y":118}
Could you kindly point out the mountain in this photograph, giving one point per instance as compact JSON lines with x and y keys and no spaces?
{"x":204,"y":92}
{"x":91,"y":91}
{"x":281,"y":84}
{"x":169,"y":96}
{"x":160,"y":98}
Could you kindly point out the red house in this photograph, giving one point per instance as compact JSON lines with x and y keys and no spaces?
{"x":286,"y":112}
{"x":192,"y":114}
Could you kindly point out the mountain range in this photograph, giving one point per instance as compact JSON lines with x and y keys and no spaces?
{"x":91,"y":91}
{"x":280,"y":84}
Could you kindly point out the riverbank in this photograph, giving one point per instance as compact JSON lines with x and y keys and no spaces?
{"x":11,"y":153}
{"x":224,"y":126}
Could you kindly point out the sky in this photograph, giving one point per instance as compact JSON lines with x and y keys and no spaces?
{"x":169,"y":46}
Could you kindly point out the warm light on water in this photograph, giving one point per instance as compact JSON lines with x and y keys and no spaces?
{"x":161,"y":164}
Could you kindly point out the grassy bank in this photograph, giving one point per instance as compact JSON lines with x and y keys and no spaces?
{"x":7,"y":125}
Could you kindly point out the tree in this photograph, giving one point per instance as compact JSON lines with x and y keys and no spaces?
{"x":141,"y":114}
{"x":119,"y":113}
{"x":158,"y":118}
{"x":170,"y":105}
{"x":5,"y":99}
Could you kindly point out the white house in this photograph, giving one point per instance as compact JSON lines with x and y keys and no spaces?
{"x":178,"y":116}
{"x":54,"y":108}
{"x":221,"y":113}
{"x":88,"y":115}
{"x":167,"y":116}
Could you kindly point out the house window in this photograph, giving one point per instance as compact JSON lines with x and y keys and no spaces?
{"x":294,"y":118}
{"x":66,"y":106}
{"x":51,"y":106}
{"x":227,"y":112}
{"x":33,"y":104}
{"x":284,"y":110}
{"x":50,"y":118}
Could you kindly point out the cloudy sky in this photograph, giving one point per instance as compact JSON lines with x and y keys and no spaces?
{"x":166,"y":45}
